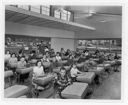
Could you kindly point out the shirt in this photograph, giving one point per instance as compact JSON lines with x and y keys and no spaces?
{"x":21,"y":64}
{"x":73,"y":72}
{"x":7,"y":56}
{"x":13,"y":60}
{"x":58,"y":58}
{"x":38,"y":71}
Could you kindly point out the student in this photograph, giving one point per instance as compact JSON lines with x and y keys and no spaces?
{"x":116,"y":66}
{"x":22,"y":63}
{"x":46,"y":49}
{"x":13,"y":62}
{"x":82,"y":58}
{"x":74,"y":72}
{"x":13,"y":59}
{"x":32,"y":55}
{"x":7,"y":55}
{"x":20,"y":54}
{"x":62,"y":80}
{"x":67,"y":53}
{"x":52,"y":53}
{"x":45,"y":59}
{"x":58,"y":57}
{"x":70,"y":60}
{"x":38,"y":72}
{"x":62,"y":52}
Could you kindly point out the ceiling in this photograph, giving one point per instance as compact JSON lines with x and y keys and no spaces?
{"x":113,"y":10}
{"x":94,"y":13}
{"x":18,"y":15}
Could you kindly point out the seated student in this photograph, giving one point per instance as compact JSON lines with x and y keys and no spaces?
{"x":101,"y":59}
{"x":74,"y":72}
{"x":62,"y":52}
{"x":77,"y":53}
{"x":110,"y":57}
{"x":45,"y":59}
{"x":116,"y":57}
{"x":38,"y":72}
{"x":13,"y":62}
{"x":20,"y":54}
{"x":32,"y":55}
{"x":82,"y":58}
{"x":46,"y":49}
{"x":70,"y":60}
{"x":58,"y":57}
{"x":67,"y":53}
{"x":62,"y":80}
{"x":22,"y":65}
{"x":52,"y":53}
{"x":7,"y":55}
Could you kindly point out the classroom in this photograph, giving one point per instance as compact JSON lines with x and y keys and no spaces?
{"x":63,"y":51}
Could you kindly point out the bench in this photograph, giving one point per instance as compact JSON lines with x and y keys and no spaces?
{"x":75,"y":91}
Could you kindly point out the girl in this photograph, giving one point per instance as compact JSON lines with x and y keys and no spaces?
{"x":74,"y":72}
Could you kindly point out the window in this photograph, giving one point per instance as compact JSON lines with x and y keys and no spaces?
{"x":26,"y":7}
{"x":68,"y":15}
{"x":57,"y":14}
{"x":62,"y":14}
{"x":45,"y":9}
{"x":35,"y":8}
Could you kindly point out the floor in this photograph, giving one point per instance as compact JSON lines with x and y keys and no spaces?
{"x":110,"y":88}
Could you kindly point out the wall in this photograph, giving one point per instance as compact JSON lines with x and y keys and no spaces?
{"x":55,"y":34}
{"x":62,"y":43}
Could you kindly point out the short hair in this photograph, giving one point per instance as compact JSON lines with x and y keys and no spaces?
{"x":13,"y":54}
{"x":62,"y":68}
{"x":38,"y":61}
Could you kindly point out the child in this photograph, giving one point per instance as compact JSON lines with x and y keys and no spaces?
{"x":63,"y":80}
{"x":74,"y":72}
{"x":38,"y":71}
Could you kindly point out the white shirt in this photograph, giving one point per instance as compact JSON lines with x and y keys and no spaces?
{"x":58,"y":58}
{"x":7,"y":56}
{"x":38,"y":71}
{"x":73,"y":72}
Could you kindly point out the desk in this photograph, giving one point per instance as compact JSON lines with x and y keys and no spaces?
{"x":15,"y":91}
{"x":88,"y":77}
{"x":75,"y":91}
{"x":97,"y":70}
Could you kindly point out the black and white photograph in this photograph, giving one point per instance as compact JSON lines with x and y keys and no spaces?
{"x":63,"y":51}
